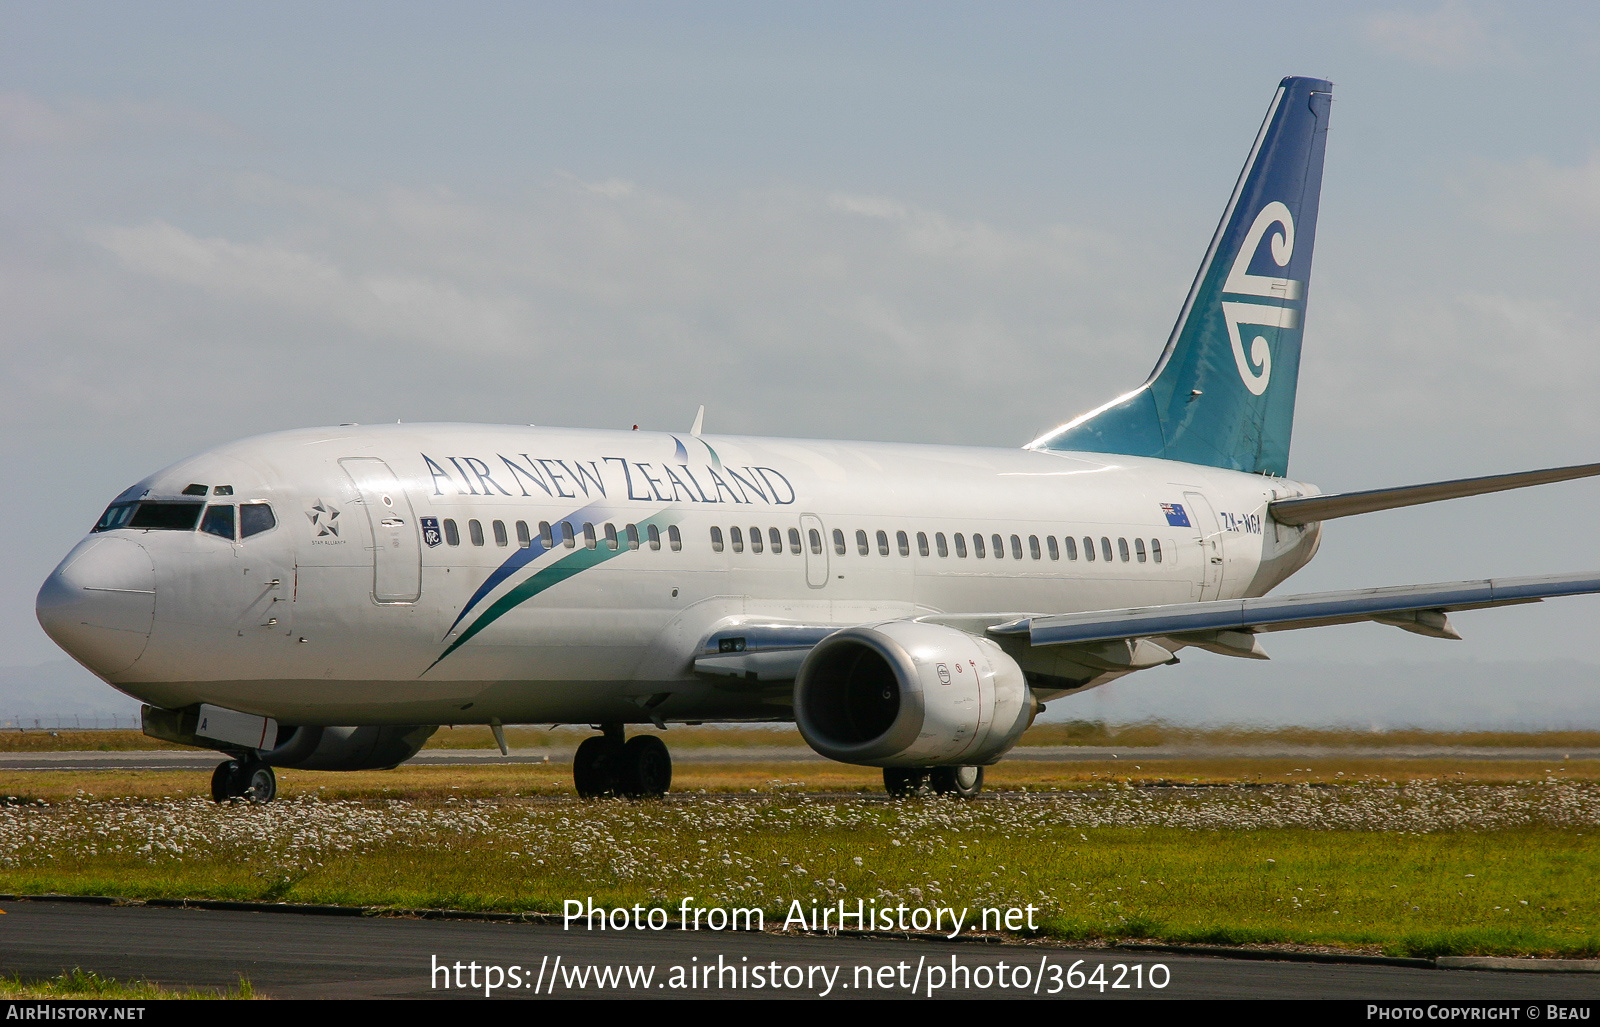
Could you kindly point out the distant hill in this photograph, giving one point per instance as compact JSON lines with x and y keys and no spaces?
{"x":59,"y":689}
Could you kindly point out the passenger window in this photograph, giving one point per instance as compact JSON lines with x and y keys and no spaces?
{"x":523,"y":538}
{"x":737,"y":538}
{"x":961,"y":546}
{"x":861,"y":542}
{"x":611,"y":536}
{"x":716,"y":540}
{"x":475,"y":531}
{"x":218,"y":521}
{"x":838,"y":542}
{"x":1072,"y":546}
{"x":1155,"y":549}
{"x":452,"y":534}
{"x":633,"y":537}
{"x":775,"y":539}
{"x":1016,"y":548}
{"x":941,"y":544}
{"x":816,"y":540}
{"x":883,"y":543}
{"x":1105,"y":548}
{"x":1050,"y":544}
{"x":547,"y":537}
{"x":999,"y":547}
{"x":1138,"y":549}
{"x":922,"y":543}
{"x":170,"y":516}
{"x":588,"y":536}
{"x":500,"y":537}
{"x":794,"y":541}
{"x":755,"y":540}
{"x":1088,"y":549}
{"x":674,"y":540}
{"x":254,"y":518}
{"x":654,"y":535}
{"x":904,"y":543}
{"x":569,"y":538}
{"x":1122,"y":549}
{"x":977,"y":546}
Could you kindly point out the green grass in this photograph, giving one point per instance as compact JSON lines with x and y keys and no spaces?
{"x":1434,"y":870}
{"x":85,"y":984}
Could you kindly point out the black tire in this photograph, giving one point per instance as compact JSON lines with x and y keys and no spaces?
{"x":904,"y":782}
{"x":957,"y":782}
{"x":646,"y":768}
{"x":594,"y":767}
{"x":222,"y":781}
{"x":250,"y":780}
{"x":257,"y":783}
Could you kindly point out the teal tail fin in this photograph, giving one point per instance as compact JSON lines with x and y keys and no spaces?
{"x":1222,"y":393}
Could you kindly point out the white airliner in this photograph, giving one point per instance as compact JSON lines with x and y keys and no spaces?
{"x":325,"y":598}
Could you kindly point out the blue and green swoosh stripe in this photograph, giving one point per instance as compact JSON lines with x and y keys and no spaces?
{"x":571,"y":565}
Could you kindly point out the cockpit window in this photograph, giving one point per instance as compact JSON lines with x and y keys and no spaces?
{"x":166,"y":516}
{"x":218,"y":521}
{"x":117,"y":515}
{"x":254,"y":518}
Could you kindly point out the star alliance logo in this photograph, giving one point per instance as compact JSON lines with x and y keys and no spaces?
{"x":324,"y":517}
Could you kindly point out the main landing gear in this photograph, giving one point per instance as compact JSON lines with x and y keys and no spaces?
{"x":955,"y":782}
{"x":247,"y":779}
{"x":639,"y":768}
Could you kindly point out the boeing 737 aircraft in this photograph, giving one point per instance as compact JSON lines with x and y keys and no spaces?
{"x":325,"y":598}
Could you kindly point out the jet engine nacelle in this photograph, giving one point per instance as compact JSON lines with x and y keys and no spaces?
{"x":909,"y":694}
{"x":368,"y":747}
{"x":371,"y":747}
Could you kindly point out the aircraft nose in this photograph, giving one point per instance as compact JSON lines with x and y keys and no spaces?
{"x":100,"y":603}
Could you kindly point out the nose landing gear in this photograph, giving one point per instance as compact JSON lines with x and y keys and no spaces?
{"x":639,"y":768}
{"x":956,"y":782}
{"x":248,"y":779}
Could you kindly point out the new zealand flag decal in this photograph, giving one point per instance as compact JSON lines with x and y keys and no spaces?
{"x":430,"y":531}
{"x":1176,"y":518}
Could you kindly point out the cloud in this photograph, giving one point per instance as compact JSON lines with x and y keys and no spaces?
{"x":1451,"y":36}
{"x":788,"y":310}
{"x":31,"y":121}
{"x":1536,"y":195}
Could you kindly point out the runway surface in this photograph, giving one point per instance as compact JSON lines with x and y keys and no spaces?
{"x":159,"y":759}
{"x":296,"y":956}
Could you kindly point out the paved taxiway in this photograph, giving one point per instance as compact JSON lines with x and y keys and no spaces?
{"x":162,"y":759}
{"x":295,"y":956}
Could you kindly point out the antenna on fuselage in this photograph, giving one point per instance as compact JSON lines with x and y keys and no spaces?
{"x":699,"y":421}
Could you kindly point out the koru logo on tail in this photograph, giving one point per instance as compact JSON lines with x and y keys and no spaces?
{"x":1242,"y":283}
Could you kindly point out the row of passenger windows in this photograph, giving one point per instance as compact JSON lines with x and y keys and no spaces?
{"x":568,"y":535}
{"x":221,"y":519}
{"x":994,"y":546}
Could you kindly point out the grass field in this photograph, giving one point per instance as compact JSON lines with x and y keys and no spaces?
{"x":79,"y":985}
{"x":1407,"y":857}
{"x":1080,"y":733}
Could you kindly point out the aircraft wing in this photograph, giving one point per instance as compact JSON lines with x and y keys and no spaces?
{"x":760,"y":657}
{"x":1226,"y":625}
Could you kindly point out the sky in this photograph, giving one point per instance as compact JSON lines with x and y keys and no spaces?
{"x":928,"y":222}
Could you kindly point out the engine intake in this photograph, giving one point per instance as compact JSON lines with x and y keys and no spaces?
{"x":910,"y":694}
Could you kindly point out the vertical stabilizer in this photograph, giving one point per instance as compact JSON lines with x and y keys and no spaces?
{"x":1222,"y":393}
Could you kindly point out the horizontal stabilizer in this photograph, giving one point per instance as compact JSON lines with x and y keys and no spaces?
{"x":1403,"y":606}
{"x":1347,"y":504}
